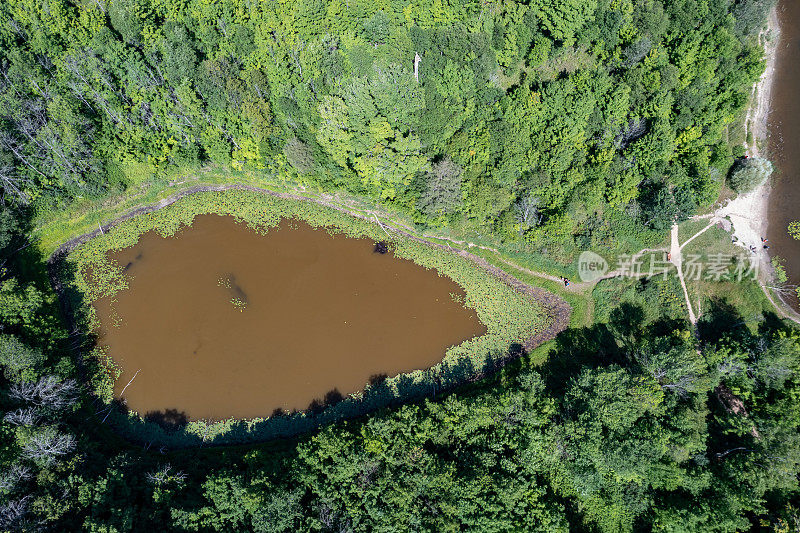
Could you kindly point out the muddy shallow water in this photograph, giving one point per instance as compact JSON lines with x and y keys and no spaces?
{"x":222,"y":322}
{"x":784,"y":143}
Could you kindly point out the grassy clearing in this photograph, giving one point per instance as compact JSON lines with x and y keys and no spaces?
{"x":711,"y":253}
{"x":54,"y":227}
{"x":509,"y":316}
{"x":711,"y":242}
{"x":581,"y":304}
{"x":690,"y":227}
{"x":656,"y":298}
{"x":705,"y":258}
{"x":746,"y":297}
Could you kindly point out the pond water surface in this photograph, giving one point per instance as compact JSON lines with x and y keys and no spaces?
{"x":222,"y":322}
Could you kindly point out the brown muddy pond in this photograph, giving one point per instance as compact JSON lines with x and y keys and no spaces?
{"x":220,"y":321}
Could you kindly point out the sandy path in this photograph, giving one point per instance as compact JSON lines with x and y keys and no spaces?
{"x":676,"y":258}
{"x":748,"y":214}
{"x":693,"y":237}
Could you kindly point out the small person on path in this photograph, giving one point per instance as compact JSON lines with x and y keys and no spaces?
{"x":566,"y":282}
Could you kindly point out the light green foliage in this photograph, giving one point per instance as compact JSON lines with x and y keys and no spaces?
{"x":18,"y":305}
{"x":371,"y":125}
{"x":564,"y":20}
{"x":779,"y":270}
{"x":28,"y":311}
{"x":442,"y":194}
{"x":128,"y":18}
{"x":587,"y":105}
{"x":794,"y":229}
{"x":750,"y":174}
{"x":17,"y":358}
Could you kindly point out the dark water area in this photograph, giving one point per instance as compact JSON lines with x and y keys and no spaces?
{"x":222,"y":322}
{"x":784,"y":142}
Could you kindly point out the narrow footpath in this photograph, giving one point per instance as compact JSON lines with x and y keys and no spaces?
{"x":677,"y":259}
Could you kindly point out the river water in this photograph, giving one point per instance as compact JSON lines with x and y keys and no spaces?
{"x":784,"y":142}
{"x":220,"y":321}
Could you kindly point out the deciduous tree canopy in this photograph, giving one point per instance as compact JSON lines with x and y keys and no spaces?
{"x":551,"y":124}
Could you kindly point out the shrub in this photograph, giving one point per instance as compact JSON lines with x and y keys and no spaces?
{"x":443,"y":189}
{"x":299,"y":155}
{"x":779,"y":269}
{"x":749,"y":174}
{"x":794,"y":229}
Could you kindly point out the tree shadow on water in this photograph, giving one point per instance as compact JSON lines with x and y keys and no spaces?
{"x":376,"y":379}
{"x":331,"y":398}
{"x":169,"y":419}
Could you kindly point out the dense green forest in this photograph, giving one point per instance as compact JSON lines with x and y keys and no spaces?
{"x":561,"y":121}
{"x":558,"y":125}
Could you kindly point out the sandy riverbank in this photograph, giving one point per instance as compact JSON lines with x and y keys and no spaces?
{"x":748,"y":212}
{"x":748,"y":215}
{"x":758,"y":114}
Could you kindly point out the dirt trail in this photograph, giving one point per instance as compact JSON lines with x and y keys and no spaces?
{"x":557,"y":308}
{"x":693,"y":237}
{"x":676,"y":258}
